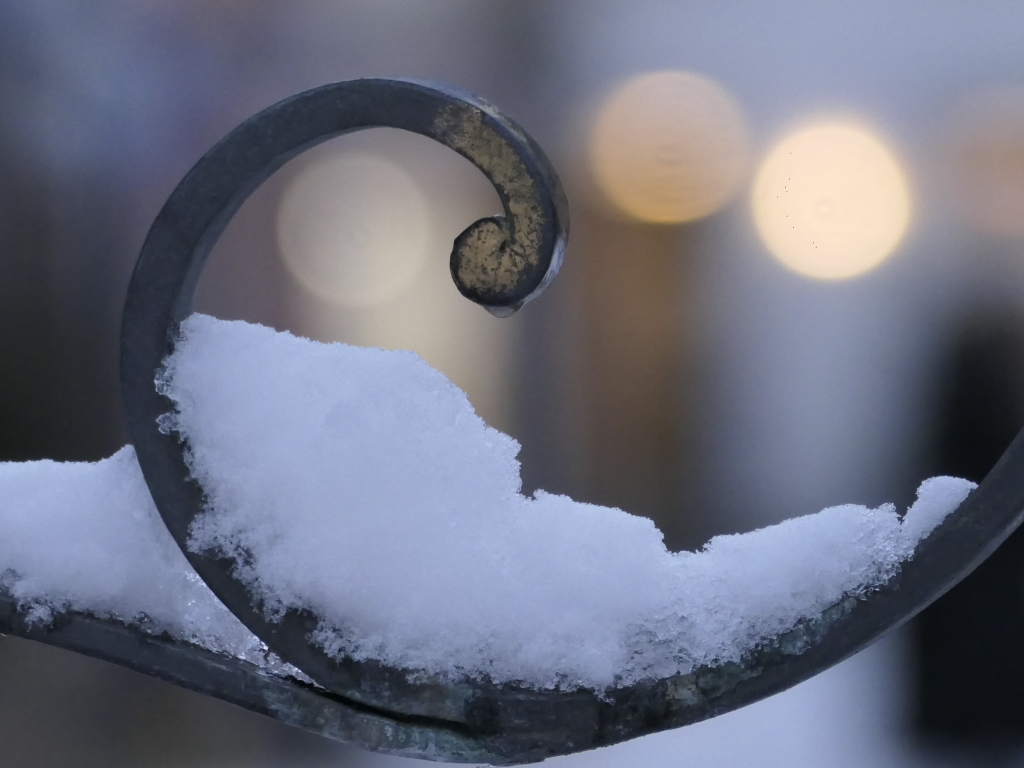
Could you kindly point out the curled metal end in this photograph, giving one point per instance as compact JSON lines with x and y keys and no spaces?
{"x":503,"y":262}
{"x":481,"y":265}
{"x":487,"y":269}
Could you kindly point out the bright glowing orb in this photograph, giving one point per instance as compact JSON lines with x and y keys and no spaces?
{"x":831,"y":201}
{"x":354,"y":228}
{"x":669,"y":147}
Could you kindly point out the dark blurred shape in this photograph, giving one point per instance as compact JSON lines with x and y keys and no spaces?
{"x":25,"y":338}
{"x":970,"y":644}
{"x":25,"y":317}
{"x":637,"y":349}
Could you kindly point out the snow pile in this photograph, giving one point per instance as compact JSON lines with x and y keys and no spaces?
{"x":360,"y":484}
{"x":87,"y":537}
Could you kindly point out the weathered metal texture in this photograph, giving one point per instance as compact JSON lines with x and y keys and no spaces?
{"x":500,"y":263}
{"x":239,"y":682}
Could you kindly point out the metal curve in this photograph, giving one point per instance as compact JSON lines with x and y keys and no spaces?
{"x":511,"y":724}
{"x":241,"y":683}
{"x":500,"y":262}
{"x":971,"y":534}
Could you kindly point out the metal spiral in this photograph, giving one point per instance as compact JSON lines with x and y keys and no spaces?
{"x":501,"y":263}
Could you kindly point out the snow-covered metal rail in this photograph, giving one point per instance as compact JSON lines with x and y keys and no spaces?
{"x":501,"y":263}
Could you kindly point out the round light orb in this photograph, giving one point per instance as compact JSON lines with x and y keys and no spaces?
{"x":831,"y":201}
{"x":669,"y":147}
{"x":986,"y":150}
{"x":353,"y":228}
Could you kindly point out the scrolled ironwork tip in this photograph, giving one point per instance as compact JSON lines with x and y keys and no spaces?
{"x":500,"y":262}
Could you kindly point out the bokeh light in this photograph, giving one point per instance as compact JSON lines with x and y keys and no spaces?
{"x":831,"y":201}
{"x":354,"y":228}
{"x":986,"y":150}
{"x":669,"y":147}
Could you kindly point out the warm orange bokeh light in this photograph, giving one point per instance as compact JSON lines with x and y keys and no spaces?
{"x":986,"y":148}
{"x":669,"y":147}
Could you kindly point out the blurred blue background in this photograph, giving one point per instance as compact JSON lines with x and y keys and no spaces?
{"x":694,"y":362}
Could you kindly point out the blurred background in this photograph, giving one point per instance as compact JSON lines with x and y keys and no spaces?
{"x":795,"y":279}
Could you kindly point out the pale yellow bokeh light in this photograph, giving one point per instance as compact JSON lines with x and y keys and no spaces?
{"x":986,"y":149}
{"x":831,"y":201}
{"x":429,"y":316}
{"x":353,"y":228}
{"x":669,"y":147}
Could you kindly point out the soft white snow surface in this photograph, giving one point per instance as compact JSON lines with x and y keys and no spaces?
{"x":359,"y":483}
{"x":86,"y":537}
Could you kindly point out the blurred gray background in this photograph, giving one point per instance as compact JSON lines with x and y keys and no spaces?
{"x":675,"y":369}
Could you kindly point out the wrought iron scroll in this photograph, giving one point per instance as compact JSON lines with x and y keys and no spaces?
{"x":501,"y":263}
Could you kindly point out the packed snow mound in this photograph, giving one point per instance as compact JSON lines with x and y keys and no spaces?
{"x":86,"y":537}
{"x":361,"y":485}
